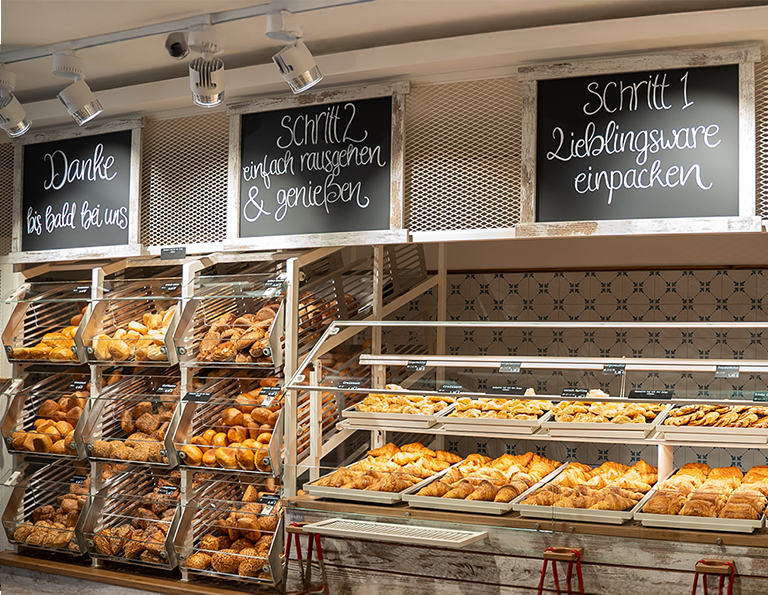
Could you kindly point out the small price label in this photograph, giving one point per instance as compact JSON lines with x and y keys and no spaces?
{"x":515,"y":391}
{"x":197,"y":397}
{"x":82,"y":289}
{"x":349,"y":384}
{"x":727,"y":372}
{"x":416,"y":365}
{"x":78,"y":479}
{"x":760,"y":397}
{"x":510,"y":367}
{"x":269,"y":501}
{"x":274,"y":283}
{"x":450,"y":388}
{"x":167,"y":490}
{"x":614,"y":369}
{"x":651,"y":394}
{"x":172,"y":253}
{"x":270,"y":394}
{"x":78,"y":385}
{"x":166,"y":389}
{"x":574,"y":393}
{"x":174,"y":286}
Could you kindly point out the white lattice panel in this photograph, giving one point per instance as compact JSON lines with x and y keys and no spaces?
{"x":184,"y":180}
{"x":6,"y":197}
{"x":462,"y":158}
{"x":761,"y":135}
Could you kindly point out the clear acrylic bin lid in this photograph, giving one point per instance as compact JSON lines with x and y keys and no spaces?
{"x":50,"y":291}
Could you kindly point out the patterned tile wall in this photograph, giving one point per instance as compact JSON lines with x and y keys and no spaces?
{"x":626,"y":296}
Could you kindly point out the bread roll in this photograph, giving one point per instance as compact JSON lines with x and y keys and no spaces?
{"x":194,"y":456}
{"x":237,"y":434}
{"x":232,"y":417}
{"x":245,"y":459}
{"x":226,"y":458}
{"x":100,"y":346}
{"x":219,"y":440}
{"x":209,"y":458}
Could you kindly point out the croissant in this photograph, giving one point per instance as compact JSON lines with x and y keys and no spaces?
{"x":453,"y":476}
{"x":485,"y":492}
{"x":419,"y":448}
{"x":436,"y":489}
{"x":541,"y":498}
{"x":448,"y":457}
{"x":612,"y":501}
{"x":739,"y":511}
{"x":360,"y":483}
{"x":662,"y":504}
{"x":700,"y":508}
{"x":460,"y":490}
{"x":387,"y":450}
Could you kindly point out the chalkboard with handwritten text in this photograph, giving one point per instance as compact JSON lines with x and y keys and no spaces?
{"x":317,"y":169}
{"x":638,"y":145}
{"x":76,"y":192}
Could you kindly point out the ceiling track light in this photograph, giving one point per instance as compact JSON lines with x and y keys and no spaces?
{"x":77,"y":98}
{"x":13,"y":117}
{"x":295,"y":62}
{"x":298,"y":67}
{"x":206,"y":73}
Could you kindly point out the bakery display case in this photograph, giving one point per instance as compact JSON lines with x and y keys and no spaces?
{"x":133,"y":518}
{"x":132,"y":416}
{"x":46,"y":411}
{"x":519,"y":398}
{"x":47,"y":505}
{"x":133,"y":320}
{"x":231,"y":529}
{"x":233,"y":423}
{"x":45,"y":319}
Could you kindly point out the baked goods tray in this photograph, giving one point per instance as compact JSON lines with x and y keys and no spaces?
{"x":369,"y":495}
{"x":498,"y":427}
{"x":711,"y":434}
{"x":477,"y":506}
{"x":559,"y":429}
{"x":557,"y":513}
{"x":368,"y":420}
{"x":696,"y":523}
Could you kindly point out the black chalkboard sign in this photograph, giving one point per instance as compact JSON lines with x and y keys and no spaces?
{"x":638,"y":145}
{"x":318,"y":169}
{"x":76,"y":192}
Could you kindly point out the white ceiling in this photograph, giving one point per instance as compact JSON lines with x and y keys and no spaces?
{"x":354,"y":36}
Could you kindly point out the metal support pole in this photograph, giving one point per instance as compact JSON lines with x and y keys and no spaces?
{"x":290,"y":406}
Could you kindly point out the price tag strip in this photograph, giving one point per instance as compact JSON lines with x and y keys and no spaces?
{"x":512,"y":391}
{"x":78,"y":385}
{"x":82,"y":289}
{"x":417,"y":365}
{"x":614,"y":369}
{"x":269,"y":501}
{"x":760,"y":397}
{"x":167,"y":490}
{"x":574,"y":393}
{"x":510,"y":367}
{"x":170,"y":286}
{"x":349,"y":384}
{"x":651,"y":394}
{"x":197,"y":397}
{"x":727,"y":372}
{"x":166,"y":389}
{"x":450,"y":388}
{"x":78,"y":479}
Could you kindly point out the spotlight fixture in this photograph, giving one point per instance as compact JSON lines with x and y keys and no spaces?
{"x":13,"y":117}
{"x":206,"y":73}
{"x":78,"y":98}
{"x":298,"y":67}
{"x":281,"y":26}
{"x":176,"y":45}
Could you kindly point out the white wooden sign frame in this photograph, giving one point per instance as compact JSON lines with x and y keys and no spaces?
{"x":744,"y":55}
{"x":396,"y":234}
{"x":132,"y":248}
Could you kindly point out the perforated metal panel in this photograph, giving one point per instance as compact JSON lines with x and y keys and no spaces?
{"x":6,"y":197}
{"x":761,"y":135}
{"x":184,"y":180}
{"x":462,"y":158}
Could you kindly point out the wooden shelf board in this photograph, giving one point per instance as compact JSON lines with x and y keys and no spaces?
{"x":131,"y":577}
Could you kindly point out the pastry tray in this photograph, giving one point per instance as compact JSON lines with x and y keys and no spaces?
{"x":712,"y":434}
{"x":369,"y":495}
{"x":696,"y":523}
{"x":497,"y":427}
{"x":369,"y":420}
{"x":557,"y":513}
{"x":559,"y":429}
{"x":477,"y":506}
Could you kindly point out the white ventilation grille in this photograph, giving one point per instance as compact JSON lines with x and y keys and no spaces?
{"x":397,"y":533}
{"x":184,"y":180}
{"x":761,"y":136}
{"x":462,"y":157}
{"x":6,"y":197}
